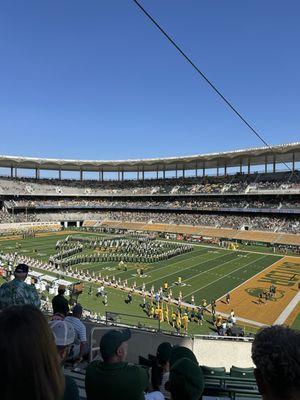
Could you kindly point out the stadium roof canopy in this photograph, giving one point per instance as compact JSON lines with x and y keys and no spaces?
{"x":288,"y":153}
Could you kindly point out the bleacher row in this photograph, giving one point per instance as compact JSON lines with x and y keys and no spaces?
{"x":245,"y":235}
{"x":273,"y":223}
{"x":283,"y":182}
{"x":185,"y":204}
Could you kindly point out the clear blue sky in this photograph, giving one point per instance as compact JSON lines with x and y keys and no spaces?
{"x":95,"y":80}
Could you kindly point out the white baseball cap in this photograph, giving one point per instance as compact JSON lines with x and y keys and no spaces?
{"x":63,"y":332}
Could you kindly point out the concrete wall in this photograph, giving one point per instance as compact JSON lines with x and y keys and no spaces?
{"x":211,"y":352}
{"x":223,"y":353}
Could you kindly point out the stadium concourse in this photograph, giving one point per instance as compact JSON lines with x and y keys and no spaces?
{"x":201,"y":262}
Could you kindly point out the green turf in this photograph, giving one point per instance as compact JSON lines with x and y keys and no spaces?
{"x":296,"y":324}
{"x":206,"y":273}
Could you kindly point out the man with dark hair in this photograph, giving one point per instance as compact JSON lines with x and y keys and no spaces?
{"x":276,"y":355}
{"x":113,"y":378}
{"x":60,"y":304}
{"x":163,"y":354}
{"x":17,"y":292}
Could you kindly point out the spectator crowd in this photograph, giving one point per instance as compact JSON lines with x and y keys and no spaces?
{"x":36,"y":349}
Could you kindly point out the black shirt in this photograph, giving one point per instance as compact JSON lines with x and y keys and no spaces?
{"x":60,"y":304}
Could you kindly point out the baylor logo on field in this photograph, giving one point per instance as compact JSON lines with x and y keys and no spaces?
{"x":255,"y":292}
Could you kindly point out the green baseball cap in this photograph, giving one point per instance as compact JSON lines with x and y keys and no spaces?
{"x":112,"y":340}
{"x":179,"y":352}
{"x":186,"y":380}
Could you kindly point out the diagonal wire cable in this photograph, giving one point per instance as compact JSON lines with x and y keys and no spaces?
{"x":209,"y":82}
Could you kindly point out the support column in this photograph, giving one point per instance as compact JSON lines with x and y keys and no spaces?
{"x":11,"y":172}
{"x":274,"y":163}
{"x":266,"y":164}
{"x":101,"y":175}
{"x":59,"y":174}
{"x":218,"y":170}
{"x":293,"y":163}
{"x":203,"y":170}
{"x":16,"y":172}
{"x":225,"y":170}
{"x":81,"y":175}
{"x":241,"y":166}
{"x":143,"y":174}
{"x":157,"y":173}
{"x":164,"y":173}
{"x":176,"y":172}
{"x":183,"y":172}
{"x":37,"y":173}
{"x":138,"y":175}
{"x":196,"y":170}
{"x":249,"y":166}
{"x":122,"y":175}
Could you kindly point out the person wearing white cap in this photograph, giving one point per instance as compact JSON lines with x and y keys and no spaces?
{"x":64,"y":336}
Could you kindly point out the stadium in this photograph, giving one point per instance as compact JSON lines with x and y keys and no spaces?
{"x":129,"y":269}
{"x":150,"y":250}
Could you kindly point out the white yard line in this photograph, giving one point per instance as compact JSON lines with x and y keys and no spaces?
{"x":245,"y":320}
{"x":241,"y":284}
{"x":237,"y":250}
{"x":288,"y":310}
{"x":191,"y":266}
{"x":203,"y":272}
{"x":224,"y":276}
{"x":172,"y":264}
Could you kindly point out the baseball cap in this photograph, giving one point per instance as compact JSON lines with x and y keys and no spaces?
{"x":186,"y":379}
{"x":22,"y":269}
{"x":112,"y":340}
{"x":63,"y":332}
{"x":179,"y":352}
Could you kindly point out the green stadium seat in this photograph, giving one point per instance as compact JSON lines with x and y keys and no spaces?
{"x":218,"y":371}
{"x":238,"y":372}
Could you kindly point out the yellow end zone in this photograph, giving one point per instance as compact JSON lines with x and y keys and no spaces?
{"x":284,"y":274}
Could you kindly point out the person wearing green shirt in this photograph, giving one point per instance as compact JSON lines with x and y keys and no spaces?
{"x":114,"y":378}
{"x":17,"y":291}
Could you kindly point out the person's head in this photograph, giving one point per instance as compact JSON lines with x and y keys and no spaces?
{"x":77,"y":311}
{"x":186,"y":380}
{"x":276,"y":355}
{"x":61,"y":290}
{"x":21,"y":272}
{"x":163,"y":354}
{"x":29,"y":365}
{"x":179,"y":352}
{"x":64,"y":336}
{"x":162,"y":365}
{"x":114,"y":346}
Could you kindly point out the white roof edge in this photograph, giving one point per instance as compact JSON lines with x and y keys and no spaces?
{"x":179,"y":158}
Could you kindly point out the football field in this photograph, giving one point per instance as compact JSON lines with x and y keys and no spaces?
{"x":206,"y":273}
